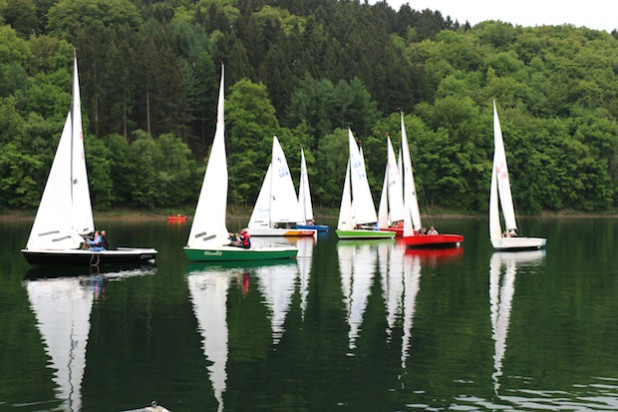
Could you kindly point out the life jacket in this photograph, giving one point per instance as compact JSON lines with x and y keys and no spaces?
{"x":246,"y":242}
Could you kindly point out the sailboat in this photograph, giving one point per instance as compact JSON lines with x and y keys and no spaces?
{"x":500,"y":188}
{"x":412,"y":216}
{"x":209,"y":238}
{"x":390,"y":211}
{"x":276,"y":210}
{"x":64,"y":216}
{"x":304,"y":200}
{"x":357,"y":214}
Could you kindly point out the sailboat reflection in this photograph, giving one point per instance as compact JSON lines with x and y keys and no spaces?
{"x":209,"y":289}
{"x":357,"y":263}
{"x":433,"y":257}
{"x":277,"y":284}
{"x":401,"y":275}
{"x":62,"y":306}
{"x":411,"y":285}
{"x":501,"y":290}
{"x":391,"y":271}
{"x":304,"y":257}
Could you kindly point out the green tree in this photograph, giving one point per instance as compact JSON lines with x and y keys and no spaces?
{"x":332,"y":156}
{"x":18,"y":188}
{"x":251,"y":123}
{"x":99,"y":173}
{"x":68,"y":17}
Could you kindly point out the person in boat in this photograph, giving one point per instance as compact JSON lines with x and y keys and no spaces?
{"x":104,"y":241}
{"x":423,"y":231}
{"x":95,"y":244}
{"x":432,"y":231}
{"x":242,"y":240}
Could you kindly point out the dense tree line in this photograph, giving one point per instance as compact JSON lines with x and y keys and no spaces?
{"x":305,"y":70}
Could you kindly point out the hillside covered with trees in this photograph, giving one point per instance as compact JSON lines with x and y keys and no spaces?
{"x":305,"y":71}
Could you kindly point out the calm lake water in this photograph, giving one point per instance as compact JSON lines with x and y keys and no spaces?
{"x":348,"y":326}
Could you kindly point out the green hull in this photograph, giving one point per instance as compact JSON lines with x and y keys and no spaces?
{"x":364,"y":234}
{"x":239,"y":254}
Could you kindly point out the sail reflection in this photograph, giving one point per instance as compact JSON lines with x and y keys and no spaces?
{"x":304,"y":258}
{"x":412,"y":279}
{"x":357,"y":263}
{"x":277,"y":284}
{"x":62,"y":308}
{"x":401,"y":276}
{"x":502,"y":270}
{"x":209,"y":290}
{"x":391,"y":271}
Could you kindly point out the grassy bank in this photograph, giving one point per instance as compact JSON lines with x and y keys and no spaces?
{"x":240,"y":214}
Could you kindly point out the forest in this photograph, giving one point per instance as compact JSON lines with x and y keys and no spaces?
{"x":305,"y":71}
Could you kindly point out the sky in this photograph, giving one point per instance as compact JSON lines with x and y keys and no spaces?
{"x":594,"y":14}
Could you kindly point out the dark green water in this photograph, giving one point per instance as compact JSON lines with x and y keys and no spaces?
{"x":348,"y":326}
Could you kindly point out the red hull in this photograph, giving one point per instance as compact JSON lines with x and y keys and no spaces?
{"x":398,"y":231}
{"x":176,"y":218}
{"x":433,"y":241}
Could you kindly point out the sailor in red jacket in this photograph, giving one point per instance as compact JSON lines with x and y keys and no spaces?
{"x":245,"y":239}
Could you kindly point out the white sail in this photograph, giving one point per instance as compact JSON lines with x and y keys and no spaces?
{"x":277,"y":284}
{"x":277,"y":201}
{"x":82,"y":207}
{"x":346,"y":212}
{"x":65,"y":211}
{"x":260,"y":216}
{"x":410,"y":198}
{"x":304,"y":193}
{"x":62,"y":308}
{"x":395,"y":199}
{"x":502,"y":176}
{"x":209,"y":229}
{"x":209,"y":292}
{"x":400,"y":167}
{"x":383,"y":220}
{"x":391,"y":201}
{"x":284,"y":206}
{"x":364,"y":209}
{"x":495,"y":231}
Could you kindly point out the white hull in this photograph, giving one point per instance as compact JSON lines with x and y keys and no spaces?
{"x":518,"y":243}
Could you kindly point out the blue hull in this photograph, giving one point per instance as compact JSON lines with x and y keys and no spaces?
{"x":317,"y":228}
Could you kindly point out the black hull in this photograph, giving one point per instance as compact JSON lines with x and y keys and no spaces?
{"x":85,"y":257}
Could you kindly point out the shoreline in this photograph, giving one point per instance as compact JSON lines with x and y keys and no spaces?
{"x":320,"y":214}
